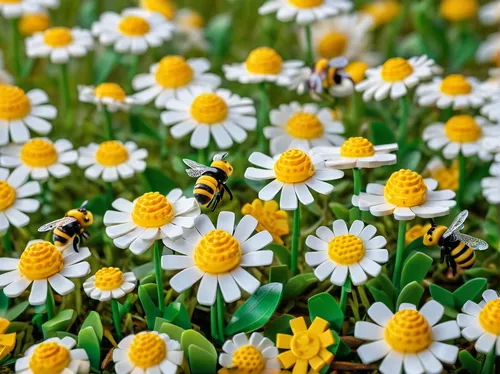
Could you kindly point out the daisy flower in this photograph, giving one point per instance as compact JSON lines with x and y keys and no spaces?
{"x":489,"y":49}
{"x":21,"y":112}
{"x":293,"y":172}
{"x":210,"y":113}
{"x":395,"y":77}
{"x":218,"y":256}
{"x":408,"y":339}
{"x":40,"y":157}
{"x":304,"y":11}
{"x":32,"y":23}
{"x":355,"y":250}
{"x":54,"y":355}
{"x":110,"y":96}
{"x":447,"y":177}
{"x":15,"y":9}
{"x":458,"y":10}
{"x":269,"y":217}
{"x":112,"y":159}
{"x":302,"y":126}
{"x":489,"y":13}
{"x":455,"y":90}
{"x":382,"y":11}
{"x":148,"y":352}
{"x":60,"y":43}
{"x":492,"y":109}
{"x":152,"y":216}
{"x":5,"y":76}
{"x":15,"y":199}
{"x":263,"y":64}
{"x":133,"y":31}
{"x":256,"y":355}
{"x":109,"y":283}
{"x":461,"y":134}
{"x":42,"y":264}
{"x":491,"y":189}
{"x":495,"y":166}
{"x":170,"y":76}
{"x":407,"y":195}
{"x":165,"y":7}
{"x":191,"y":27}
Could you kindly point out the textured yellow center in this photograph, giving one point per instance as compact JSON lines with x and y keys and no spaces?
{"x":40,"y":260}
{"x":173,"y":72}
{"x":31,"y":23}
{"x":146,"y":350}
{"x":134,"y":26}
{"x":152,"y":210}
{"x":306,"y":3}
{"x":447,"y":177}
{"x":165,"y":7}
{"x":38,"y":153}
{"x":58,"y":37}
{"x":217,"y":252}
{"x":7,"y":195}
{"x":305,"y":345}
{"x":356,"y":71}
{"x":463,"y":129}
{"x":405,"y":188}
{"x":408,"y":332}
{"x":293,"y":166}
{"x":111,"y":90}
{"x":489,"y":317}
{"x":332,"y":44}
{"x":248,"y":359}
{"x":209,"y":108}
{"x":346,"y":249}
{"x":14,"y":104}
{"x":383,"y":11}
{"x":193,"y":20}
{"x":458,"y":10}
{"x":111,"y":153}
{"x":396,"y":69}
{"x":49,"y":358}
{"x":357,"y":147}
{"x":108,"y":279}
{"x":304,"y":126}
{"x":264,"y":60}
{"x":455,"y":84}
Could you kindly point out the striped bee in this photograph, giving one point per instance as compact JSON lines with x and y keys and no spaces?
{"x":71,"y":229}
{"x":329,"y":76}
{"x":211,"y":183}
{"x":457,"y":248}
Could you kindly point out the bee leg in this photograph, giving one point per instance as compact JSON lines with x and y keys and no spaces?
{"x":217,"y":199}
{"x":85,"y":235}
{"x":442,"y":255}
{"x":454,"y":267}
{"x":228,"y":191}
{"x":76,"y":241}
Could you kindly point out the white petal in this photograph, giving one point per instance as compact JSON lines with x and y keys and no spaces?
{"x":432,"y":311}
{"x":340,"y":227}
{"x":380,"y":313}
{"x":446,"y":331}
{"x":38,"y":294}
{"x":207,"y":290}
{"x":245,"y":280}
{"x":368,"y":331}
{"x":229,"y":288}
{"x":485,"y":343}
{"x":446,"y":353}
{"x":392,"y":363}
{"x":61,"y":285}
{"x":374,"y":351}
{"x":185,"y":279}
{"x":225,"y":222}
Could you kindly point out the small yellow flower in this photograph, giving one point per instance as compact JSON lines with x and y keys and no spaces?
{"x":416,"y":232}
{"x":269,"y":217}
{"x":356,"y":71}
{"x":447,"y":177}
{"x":383,"y":11}
{"x":165,"y":7}
{"x":31,"y":23}
{"x":7,"y":341}
{"x":458,"y":10}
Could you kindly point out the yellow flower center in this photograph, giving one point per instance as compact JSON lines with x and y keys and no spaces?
{"x":111,"y":153}
{"x":7,"y":195}
{"x":408,"y":332}
{"x":40,"y":260}
{"x":14,"y":103}
{"x":356,"y":71}
{"x":31,"y":23}
{"x":304,"y":126}
{"x":305,"y":345}
{"x":165,"y":7}
{"x":108,"y":279}
{"x":346,"y":249}
{"x":463,"y":129}
{"x":134,"y":26}
{"x":111,"y":90}
{"x":447,"y":178}
{"x":264,"y":60}
{"x":405,"y":188}
{"x":294,"y":166}
{"x":396,"y":69}
{"x":248,"y":359}
{"x":458,"y":10}
{"x":333,"y":44}
{"x":49,"y":358}
{"x":455,"y":84}
{"x":10,"y":1}
{"x":306,"y":3}
{"x":58,"y":37}
{"x":209,"y":108}
{"x":173,"y":72}
{"x":152,"y":210}
{"x":38,"y":153}
{"x":147,"y":349}
{"x":357,"y":147}
{"x":489,"y":317}
{"x":383,"y":11}
{"x":193,"y":20}
{"x":217,"y":252}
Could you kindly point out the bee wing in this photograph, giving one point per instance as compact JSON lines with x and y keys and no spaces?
{"x":474,"y":243}
{"x":58,"y":222}
{"x":196,"y":169}
{"x":457,"y":224}
{"x":338,"y":62}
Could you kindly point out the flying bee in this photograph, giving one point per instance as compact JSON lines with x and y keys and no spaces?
{"x":457,"y":248}
{"x":72,"y":228}
{"x":211,"y":183}
{"x":329,"y":76}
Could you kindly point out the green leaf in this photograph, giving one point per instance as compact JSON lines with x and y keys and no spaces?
{"x":173,"y":331}
{"x":147,"y":295}
{"x":62,"y":322}
{"x":87,"y":14}
{"x":16,"y":311}
{"x":218,"y":32}
{"x":340,"y":211}
{"x":140,"y":127}
{"x":410,"y":160}
{"x":379,"y":294}
{"x":257,"y":310}
{"x":200,"y":361}
{"x":381,"y":133}
{"x":411,"y":293}
{"x":472,"y":290}
{"x":177,"y":314}
{"x":88,"y":340}
{"x":339,"y":348}
{"x":280,"y":325}
{"x":158,"y":181}
{"x":104,"y":64}
{"x":415,"y":269}
{"x":442,"y":296}
{"x":278,"y":274}
{"x":94,"y":320}
{"x":296,"y":285}
{"x":98,"y":205}
{"x":323,"y":305}
{"x":480,"y":272}
{"x":4,"y":303}
{"x":469,"y":363}
{"x":282,"y":253}
{"x":194,"y":338}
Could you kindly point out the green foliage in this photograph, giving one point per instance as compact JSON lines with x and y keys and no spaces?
{"x":280,"y":325}
{"x":278,"y":274}
{"x":148,"y":297}
{"x":381,"y":133}
{"x":382,"y":290}
{"x":61,"y":322}
{"x":158,"y":181}
{"x":470,"y":364}
{"x":297,"y":285}
{"x":472,"y":290}
{"x":325,"y":306}
{"x":94,"y":320}
{"x":281,"y":253}
{"x":201,"y":354}
{"x":177,"y":314}
{"x":415,"y":269}
{"x":411,"y":293}
{"x":88,"y":340}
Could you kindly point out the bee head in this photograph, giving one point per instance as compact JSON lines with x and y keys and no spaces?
{"x":434,"y":234}
{"x":219,"y":161}
{"x":84,"y":216}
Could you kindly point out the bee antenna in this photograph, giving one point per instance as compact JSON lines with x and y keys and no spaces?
{"x":433,"y":223}
{"x":84,"y":204}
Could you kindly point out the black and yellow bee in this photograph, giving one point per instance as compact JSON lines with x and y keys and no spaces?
{"x":211,"y":183}
{"x":71,"y":229}
{"x":329,"y":76}
{"x":457,"y":248}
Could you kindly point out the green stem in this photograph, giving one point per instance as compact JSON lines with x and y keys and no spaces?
{"x":49,"y":303}
{"x":344,"y":294}
{"x":202,"y":157}
{"x":66,"y":95}
{"x":489,"y":363}
{"x":309,"y":54}
{"x":220,"y":315}
{"x":7,"y":241}
{"x":357,"y":190}
{"x":263,"y":118}
{"x":108,"y":119}
{"x":213,"y":323}
{"x":133,"y":69}
{"x":403,"y":123}
{"x":116,"y":318}
{"x":109,"y":192}
{"x":396,"y":276}
{"x":295,"y":240}
{"x":158,"y":249}
{"x":461,"y":179}
{"x":163,"y":140}
{"x":16,"y":47}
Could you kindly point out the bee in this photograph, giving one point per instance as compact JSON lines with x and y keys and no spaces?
{"x":71,"y":229}
{"x":211,"y":183}
{"x":457,"y":248}
{"x":329,"y":76}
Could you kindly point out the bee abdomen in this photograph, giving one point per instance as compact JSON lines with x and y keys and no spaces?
{"x":205,"y":189}
{"x":464,"y":256}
